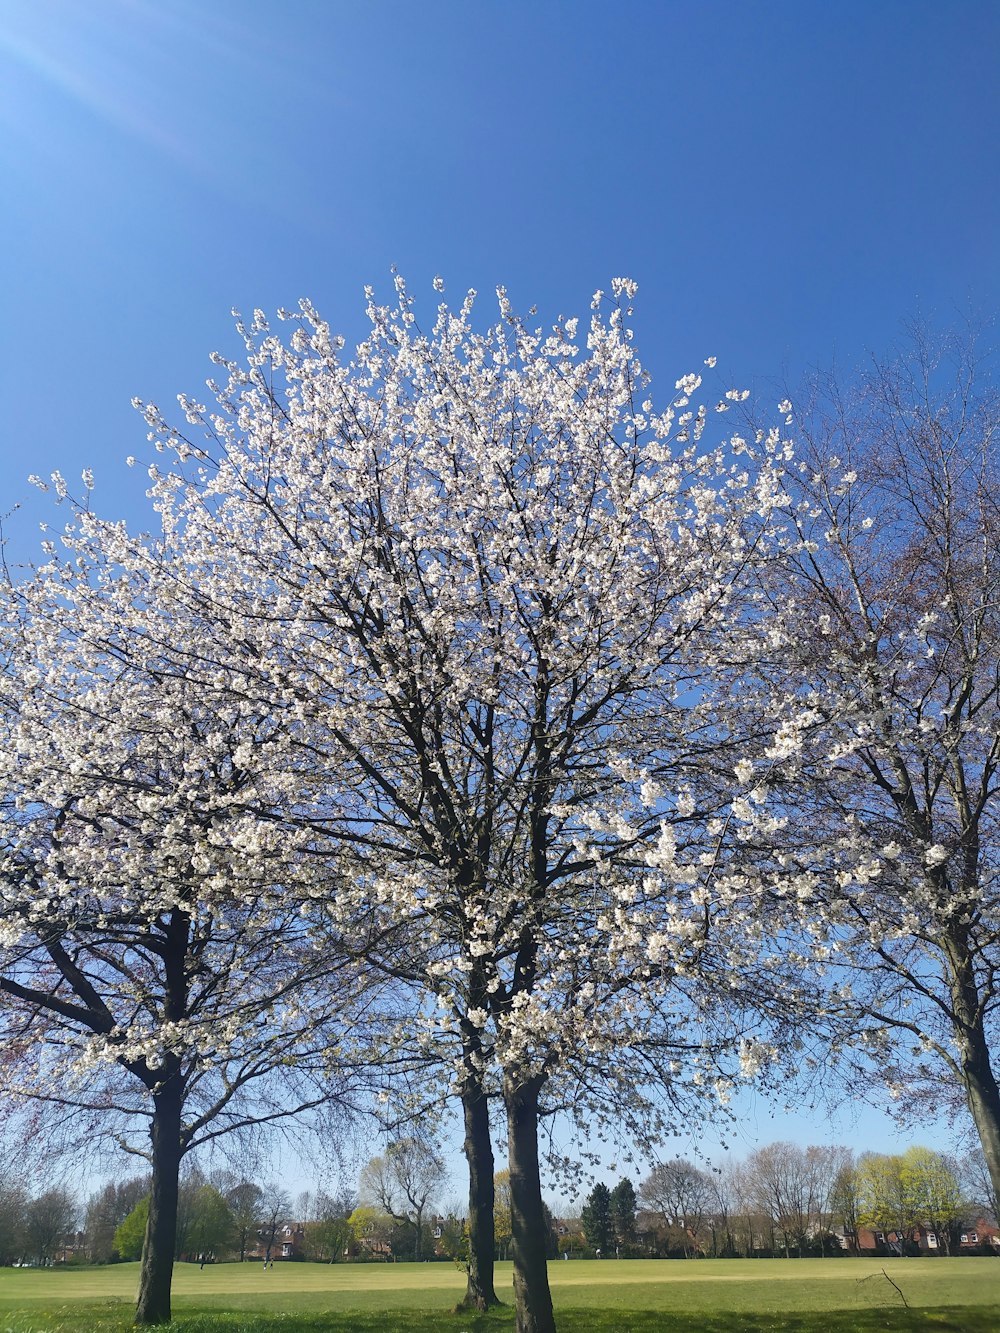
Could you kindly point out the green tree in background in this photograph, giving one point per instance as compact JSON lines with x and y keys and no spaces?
{"x":211,"y":1227}
{"x":130,"y":1233}
{"x":623,"y":1205}
{"x":918,"y":1188}
{"x":933,"y":1188}
{"x":328,"y":1232}
{"x":596,"y":1219}
{"x":327,"y":1238}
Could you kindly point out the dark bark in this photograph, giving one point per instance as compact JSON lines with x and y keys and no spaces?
{"x":153,"y":1305}
{"x":968,"y":1006}
{"x":532,"y":1296}
{"x":984,"y":1099}
{"x":480,"y":1293}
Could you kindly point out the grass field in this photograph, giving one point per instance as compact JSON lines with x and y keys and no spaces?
{"x":611,"y":1296}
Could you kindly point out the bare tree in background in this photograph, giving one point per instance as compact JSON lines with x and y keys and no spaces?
{"x":885,"y":692}
{"x":845,"y":1202}
{"x":978,"y":1184}
{"x":107,"y":1209}
{"x":404,"y":1181}
{"x":275,"y":1210}
{"x":13,"y":1208}
{"x":682,"y":1195}
{"x":48,"y":1220}
{"x":245,"y":1199}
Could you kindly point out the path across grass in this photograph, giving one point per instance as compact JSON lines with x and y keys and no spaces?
{"x":609,"y":1296}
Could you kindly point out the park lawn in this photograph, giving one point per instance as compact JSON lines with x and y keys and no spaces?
{"x":619,"y":1296}
{"x":963,"y":1319}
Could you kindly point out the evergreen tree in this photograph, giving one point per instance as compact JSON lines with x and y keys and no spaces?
{"x":596,"y":1219}
{"x":623,"y":1206}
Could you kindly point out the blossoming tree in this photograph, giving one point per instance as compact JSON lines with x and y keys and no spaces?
{"x":501,"y":594}
{"x":155,"y":967}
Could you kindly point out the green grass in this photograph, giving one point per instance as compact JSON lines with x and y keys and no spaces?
{"x":967,"y":1319}
{"x":627,"y":1296}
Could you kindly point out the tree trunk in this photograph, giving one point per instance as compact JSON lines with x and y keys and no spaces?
{"x":527,"y":1218}
{"x":984,"y":1099}
{"x":480,"y":1293}
{"x":981,"y":1090}
{"x":153,"y":1305}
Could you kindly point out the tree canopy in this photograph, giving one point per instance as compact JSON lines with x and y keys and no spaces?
{"x":472,"y":719}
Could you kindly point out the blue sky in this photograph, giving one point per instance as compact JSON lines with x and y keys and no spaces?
{"x":786,"y":180}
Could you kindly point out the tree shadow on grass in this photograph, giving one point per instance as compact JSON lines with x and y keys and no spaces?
{"x":963,"y":1319}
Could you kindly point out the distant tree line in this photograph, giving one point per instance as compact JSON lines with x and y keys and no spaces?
{"x":783,"y":1200}
{"x":221,"y":1216}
